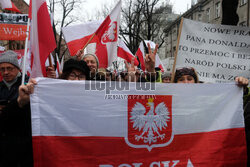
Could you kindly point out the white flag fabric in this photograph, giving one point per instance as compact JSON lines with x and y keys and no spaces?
{"x":125,"y":53}
{"x":182,"y":124}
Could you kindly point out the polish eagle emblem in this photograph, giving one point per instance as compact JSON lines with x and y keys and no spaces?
{"x":151,"y":123}
{"x":111,"y":34}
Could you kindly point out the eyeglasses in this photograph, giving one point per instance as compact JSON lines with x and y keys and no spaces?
{"x":9,"y":69}
{"x":74,"y":76}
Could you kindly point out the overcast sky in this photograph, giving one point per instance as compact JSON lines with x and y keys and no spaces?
{"x":179,"y":6}
{"x":90,"y":7}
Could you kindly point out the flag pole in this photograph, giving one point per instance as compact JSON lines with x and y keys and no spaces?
{"x":50,"y":60}
{"x":90,"y":39}
{"x":176,"y":52}
{"x":25,"y":52}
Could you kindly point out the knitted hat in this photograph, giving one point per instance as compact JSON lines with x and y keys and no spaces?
{"x":9,"y":57}
{"x":165,"y":75}
{"x":89,"y":54}
{"x":75,"y":64}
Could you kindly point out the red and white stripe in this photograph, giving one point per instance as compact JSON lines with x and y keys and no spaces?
{"x":59,"y":65}
{"x":125,"y":53}
{"x":88,"y":130}
{"x":106,"y":29}
{"x":42,"y":40}
{"x":8,"y":5}
{"x":141,"y":54}
{"x":76,"y":36}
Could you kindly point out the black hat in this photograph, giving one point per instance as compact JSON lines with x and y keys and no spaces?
{"x":75,"y":64}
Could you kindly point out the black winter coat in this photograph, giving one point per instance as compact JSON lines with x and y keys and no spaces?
{"x":15,"y":136}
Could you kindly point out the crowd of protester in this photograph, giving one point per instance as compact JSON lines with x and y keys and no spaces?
{"x":15,"y":114}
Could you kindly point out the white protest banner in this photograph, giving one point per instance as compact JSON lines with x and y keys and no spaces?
{"x":173,"y":125}
{"x":219,"y":53}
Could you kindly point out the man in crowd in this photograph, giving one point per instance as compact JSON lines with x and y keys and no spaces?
{"x":12,"y":77}
{"x":15,"y":140}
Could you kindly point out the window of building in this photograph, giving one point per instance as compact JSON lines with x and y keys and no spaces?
{"x":199,"y":17}
{"x":217,"y":10}
{"x":208,"y":14}
{"x":243,"y":2}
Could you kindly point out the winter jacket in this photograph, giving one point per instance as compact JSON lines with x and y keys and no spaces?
{"x":12,"y":94}
{"x":15,"y":136}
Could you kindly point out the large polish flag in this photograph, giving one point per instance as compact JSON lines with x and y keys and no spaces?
{"x":172,"y":125}
{"x":42,"y":40}
{"x":76,"y":36}
{"x":8,"y":5}
{"x":105,"y":35}
{"x":141,"y":55}
{"x":108,"y":33}
{"x":125,"y":53}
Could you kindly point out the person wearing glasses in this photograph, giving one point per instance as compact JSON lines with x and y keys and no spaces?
{"x":14,"y":143}
{"x":75,"y":70}
{"x":10,"y":71}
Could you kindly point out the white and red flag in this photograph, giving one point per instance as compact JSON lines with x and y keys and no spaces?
{"x":125,"y":53}
{"x":173,"y":125}
{"x":108,"y":33}
{"x":105,"y":36}
{"x":141,"y":55}
{"x":76,"y":36}
{"x":42,"y":39}
{"x":8,"y":5}
{"x":58,"y":64}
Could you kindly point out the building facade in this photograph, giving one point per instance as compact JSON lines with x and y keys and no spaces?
{"x":208,"y":11}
